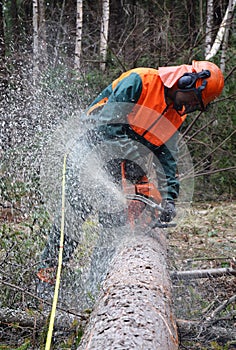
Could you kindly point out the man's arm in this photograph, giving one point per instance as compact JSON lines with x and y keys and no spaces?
{"x":166,"y":167}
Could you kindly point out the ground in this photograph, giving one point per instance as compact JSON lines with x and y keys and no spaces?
{"x":205,"y":239}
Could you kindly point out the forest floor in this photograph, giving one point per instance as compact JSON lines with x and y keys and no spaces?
{"x":205,"y":239}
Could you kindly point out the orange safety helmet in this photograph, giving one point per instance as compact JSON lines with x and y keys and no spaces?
{"x":215,"y":82}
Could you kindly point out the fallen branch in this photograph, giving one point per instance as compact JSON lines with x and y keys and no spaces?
{"x":203,"y":273}
{"x":13,"y":286}
{"x":206,"y":258}
{"x":34,"y":319}
{"x":204,"y":330}
{"x":221,"y":308}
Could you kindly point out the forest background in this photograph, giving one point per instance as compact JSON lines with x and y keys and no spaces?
{"x":63,"y":53}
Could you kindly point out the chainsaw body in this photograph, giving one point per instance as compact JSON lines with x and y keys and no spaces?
{"x":143,"y":198}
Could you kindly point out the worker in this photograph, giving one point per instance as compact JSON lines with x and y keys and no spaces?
{"x":156,"y":104}
{"x":148,"y":106}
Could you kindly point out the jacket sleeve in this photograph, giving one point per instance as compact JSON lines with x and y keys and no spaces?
{"x":100,"y":100}
{"x":166,"y":168}
{"x":127,"y":91}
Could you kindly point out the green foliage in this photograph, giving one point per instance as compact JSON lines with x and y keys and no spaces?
{"x":21,"y":239}
{"x":25,"y":346}
{"x":214,"y":147}
{"x":12,"y":190}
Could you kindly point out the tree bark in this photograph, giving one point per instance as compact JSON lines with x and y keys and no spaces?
{"x":42,"y":35}
{"x":209,"y":26}
{"x":37,"y":320}
{"x":78,"y":39}
{"x":3,"y":71}
{"x":224,"y":27}
{"x":223,"y":58}
{"x":134,"y":308}
{"x":35,"y":40}
{"x":104,"y":33}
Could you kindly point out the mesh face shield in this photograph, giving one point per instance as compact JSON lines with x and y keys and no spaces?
{"x":188,"y":101}
{"x":188,"y":98}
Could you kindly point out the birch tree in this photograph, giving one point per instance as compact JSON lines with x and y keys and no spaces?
{"x":78,"y":38}
{"x":42,"y":33}
{"x":209,"y":25}
{"x":2,"y":43}
{"x":228,"y":23}
{"x":39,"y":37}
{"x":223,"y":33}
{"x":104,"y":33}
{"x":3,"y":70}
{"x":35,"y":39}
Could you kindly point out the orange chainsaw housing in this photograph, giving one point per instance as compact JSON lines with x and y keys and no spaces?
{"x":144,"y":188}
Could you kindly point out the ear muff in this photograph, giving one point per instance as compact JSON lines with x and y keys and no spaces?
{"x":188,"y":80}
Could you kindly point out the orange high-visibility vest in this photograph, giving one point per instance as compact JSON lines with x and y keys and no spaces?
{"x":150,"y":117}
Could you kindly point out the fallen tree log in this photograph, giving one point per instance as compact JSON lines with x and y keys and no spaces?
{"x":134,"y":307}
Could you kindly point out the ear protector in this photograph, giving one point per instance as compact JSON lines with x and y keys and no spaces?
{"x":188,"y":80}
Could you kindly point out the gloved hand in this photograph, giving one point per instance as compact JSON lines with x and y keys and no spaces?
{"x":169,"y":211}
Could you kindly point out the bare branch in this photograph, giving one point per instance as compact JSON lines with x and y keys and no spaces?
{"x":221,"y":307}
{"x":203,"y":273}
{"x":214,"y":171}
{"x":191,"y":171}
{"x":13,"y":286}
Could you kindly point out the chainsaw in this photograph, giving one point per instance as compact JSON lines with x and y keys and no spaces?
{"x":140,"y":194}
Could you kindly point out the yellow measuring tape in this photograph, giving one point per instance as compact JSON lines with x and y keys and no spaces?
{"x":59,"y":267}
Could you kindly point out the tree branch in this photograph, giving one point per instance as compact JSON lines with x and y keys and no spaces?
{"x":13,"y":286}
{"x":203,"y":273}
{"x":221,"y":308}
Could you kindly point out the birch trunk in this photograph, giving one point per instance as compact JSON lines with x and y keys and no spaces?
{"x":78,"y":40}
{"x":134,"y":309}
{"x":209,"y":25}
{"x":231,"y":7}
{"x":224,"y":27}
{"x":57,"y":42}
{"x":35,"y":39}
{"x":201,"y":16}
{"x":42,"y":34}
{"x":104,"y":33}
{"x":2,"y":49}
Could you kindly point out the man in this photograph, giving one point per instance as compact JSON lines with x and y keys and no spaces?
{"x":145,"y":106}
{"x":163,"y":99}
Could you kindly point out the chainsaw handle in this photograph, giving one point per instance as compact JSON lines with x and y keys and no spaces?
{"x":159,"y":224}
{"x":144,"y":200}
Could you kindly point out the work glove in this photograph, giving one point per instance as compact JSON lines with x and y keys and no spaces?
{"x":169,"y":211}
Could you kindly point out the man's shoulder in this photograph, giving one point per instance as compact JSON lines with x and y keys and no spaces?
{"x":144,"y":71}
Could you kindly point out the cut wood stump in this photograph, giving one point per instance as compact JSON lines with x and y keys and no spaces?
{"x":134,"y":307}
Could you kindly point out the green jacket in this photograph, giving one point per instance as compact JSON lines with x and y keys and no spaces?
{"x":113,"y":109}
